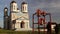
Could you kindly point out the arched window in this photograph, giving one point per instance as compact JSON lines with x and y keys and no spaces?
{"x":14,"y":7}
{"x":22,"y":24}
{"x":23,"y":7}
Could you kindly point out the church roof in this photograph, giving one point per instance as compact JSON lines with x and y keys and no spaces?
{"x":22,"y":18}
{"x":24,"y":3}
{"x":13,"y":2}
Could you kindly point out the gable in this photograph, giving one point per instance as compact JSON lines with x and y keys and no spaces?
{"x":22,"y":18}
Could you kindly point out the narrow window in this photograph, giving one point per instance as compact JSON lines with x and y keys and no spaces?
{"x":14,"y":7}
{"x":23,"y":8}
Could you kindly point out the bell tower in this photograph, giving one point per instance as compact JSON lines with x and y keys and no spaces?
{"x":13,"y":6}
{"x":24,"y":7}
{"x":13,"y":11}
{"x":5,"y":18}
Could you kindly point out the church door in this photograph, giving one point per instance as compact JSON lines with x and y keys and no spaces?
{"x":22,"y":24}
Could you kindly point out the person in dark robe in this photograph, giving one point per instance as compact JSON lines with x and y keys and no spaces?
{"x":56,"y":29}
{"x":48,"y":28}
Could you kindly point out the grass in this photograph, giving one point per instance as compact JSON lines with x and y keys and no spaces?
{"x":2,"y":31}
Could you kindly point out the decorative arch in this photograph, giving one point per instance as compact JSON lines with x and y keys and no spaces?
{"x":22,"y":24}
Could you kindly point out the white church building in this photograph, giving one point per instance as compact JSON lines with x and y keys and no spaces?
{"x":17,"y":20}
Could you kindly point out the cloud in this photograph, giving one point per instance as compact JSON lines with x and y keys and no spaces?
{"x":52,"y":6}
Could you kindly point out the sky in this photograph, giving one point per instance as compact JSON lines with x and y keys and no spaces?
{"x":50,"y":6}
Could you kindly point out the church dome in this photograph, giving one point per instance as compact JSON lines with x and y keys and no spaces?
{"x":13,"y":2}
{"x":24,"y":3}
{"x":5,"y":8}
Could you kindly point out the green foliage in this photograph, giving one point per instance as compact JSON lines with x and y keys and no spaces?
{"x":2,"y":31}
